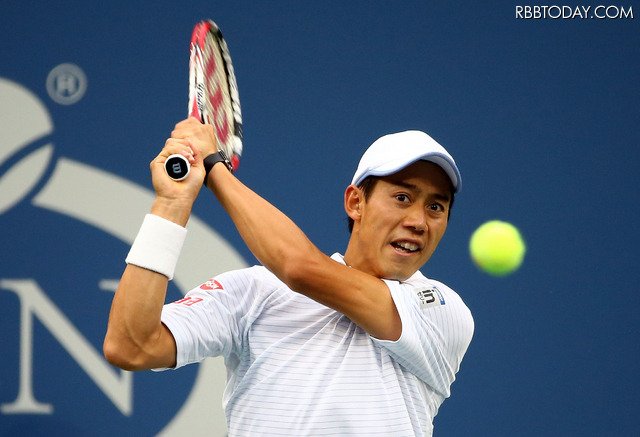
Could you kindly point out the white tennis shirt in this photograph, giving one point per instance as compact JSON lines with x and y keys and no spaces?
{"x":299,"y":368}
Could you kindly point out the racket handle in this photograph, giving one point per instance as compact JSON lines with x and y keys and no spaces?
{"x":177,"y":167}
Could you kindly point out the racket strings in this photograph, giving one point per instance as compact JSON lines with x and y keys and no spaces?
{"x":218,"y":109}
{"x":213,"y":91}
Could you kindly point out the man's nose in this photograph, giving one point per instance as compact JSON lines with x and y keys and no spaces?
{"x":416,"y":218}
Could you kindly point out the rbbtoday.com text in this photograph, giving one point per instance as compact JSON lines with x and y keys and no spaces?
{"x":555,"y":12}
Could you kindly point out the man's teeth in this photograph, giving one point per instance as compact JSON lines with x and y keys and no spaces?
{"x":409,"y":247}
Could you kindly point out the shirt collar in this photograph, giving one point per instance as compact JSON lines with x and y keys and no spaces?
{"x":340,"y":258}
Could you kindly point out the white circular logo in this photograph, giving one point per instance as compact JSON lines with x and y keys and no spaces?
{"x":66,"y":84}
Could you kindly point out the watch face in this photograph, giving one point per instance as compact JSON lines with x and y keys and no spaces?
{"x":226,"y":160}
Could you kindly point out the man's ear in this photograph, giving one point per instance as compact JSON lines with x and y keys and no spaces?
{"x":353,"y":200}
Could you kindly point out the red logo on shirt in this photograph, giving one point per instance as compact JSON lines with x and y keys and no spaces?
{"x":211,"y":284}
{"x":188,"y":301}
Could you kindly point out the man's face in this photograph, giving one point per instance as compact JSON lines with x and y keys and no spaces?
{"x":399,"y":226}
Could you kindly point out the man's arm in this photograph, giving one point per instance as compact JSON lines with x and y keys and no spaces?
{"x":136,"y":339}
{"x":285,"y":250}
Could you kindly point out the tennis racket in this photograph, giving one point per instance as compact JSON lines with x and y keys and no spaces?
{"x":213,"y":96}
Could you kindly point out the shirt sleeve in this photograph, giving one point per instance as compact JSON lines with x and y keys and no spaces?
{"x":211,"y":319}
{"x":436,"y":332}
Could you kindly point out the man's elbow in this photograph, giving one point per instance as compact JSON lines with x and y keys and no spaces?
{"x":117,"y":355}
{"x":297,"y":273}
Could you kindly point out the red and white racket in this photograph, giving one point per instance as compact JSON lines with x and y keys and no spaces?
{"x":213,"y":96}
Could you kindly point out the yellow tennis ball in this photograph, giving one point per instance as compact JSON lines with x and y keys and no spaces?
{"x":497,"y":248}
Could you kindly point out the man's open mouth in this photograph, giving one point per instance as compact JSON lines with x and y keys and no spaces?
{"x":405,"y":246}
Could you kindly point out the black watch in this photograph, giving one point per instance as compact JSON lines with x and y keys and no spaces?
{"x":212,"y":160}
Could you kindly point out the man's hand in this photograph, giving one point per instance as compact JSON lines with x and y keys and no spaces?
{"x":174,"y":200}
{"x":200,"y":136}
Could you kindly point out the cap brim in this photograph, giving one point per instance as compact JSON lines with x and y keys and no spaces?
{"x":394,"y":166}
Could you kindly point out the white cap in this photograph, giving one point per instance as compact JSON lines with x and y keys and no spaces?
{"x":391,"y":153}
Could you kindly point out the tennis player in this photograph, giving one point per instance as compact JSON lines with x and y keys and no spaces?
{"x":348,"y":345}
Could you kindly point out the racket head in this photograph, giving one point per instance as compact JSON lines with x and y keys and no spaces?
{"x":213,"y":90}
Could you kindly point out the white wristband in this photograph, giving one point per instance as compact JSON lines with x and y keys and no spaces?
{"x":157,"y":246}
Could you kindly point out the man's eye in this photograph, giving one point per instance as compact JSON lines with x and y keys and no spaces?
{"x":402,"y":197}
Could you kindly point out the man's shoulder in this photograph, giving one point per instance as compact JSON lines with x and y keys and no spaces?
{"x":418,"y":279}
{"x":253,"y":279}
{"x":251,"y":271}
{"x":422,"y":286}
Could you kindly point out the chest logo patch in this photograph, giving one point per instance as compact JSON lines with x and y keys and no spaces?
{"x":430,"y":297}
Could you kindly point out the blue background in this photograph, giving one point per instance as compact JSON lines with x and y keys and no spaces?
{"x":542,"y":117}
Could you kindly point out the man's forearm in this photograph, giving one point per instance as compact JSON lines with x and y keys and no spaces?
{"x":272,"y":237}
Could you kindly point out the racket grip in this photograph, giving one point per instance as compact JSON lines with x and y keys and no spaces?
{"x":177,"y":167}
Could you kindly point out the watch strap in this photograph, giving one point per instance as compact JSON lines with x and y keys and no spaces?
{"x":212,"y":160}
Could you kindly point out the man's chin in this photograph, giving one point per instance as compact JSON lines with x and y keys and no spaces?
{"x":403,"y":271}
{"x":398,"y":275}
